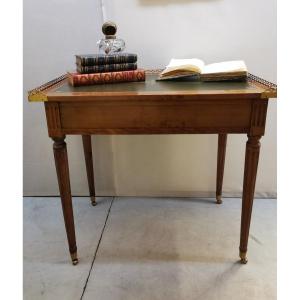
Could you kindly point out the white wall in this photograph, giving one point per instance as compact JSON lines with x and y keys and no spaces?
{"x":157,"y":30}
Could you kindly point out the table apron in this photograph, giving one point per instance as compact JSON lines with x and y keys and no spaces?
{"x":147,"y":117}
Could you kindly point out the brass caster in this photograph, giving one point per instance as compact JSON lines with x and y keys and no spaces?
{"x":219,"y":199}
{"x":93,"y":199}
{"x":74,"y":258}
{"x":243,"y":257}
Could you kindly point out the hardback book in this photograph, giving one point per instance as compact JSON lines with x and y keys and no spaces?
{"x":106,"y":68}
{"x":77,"y":79}
{"x":183,"y":68}
{"x":105,"y":59}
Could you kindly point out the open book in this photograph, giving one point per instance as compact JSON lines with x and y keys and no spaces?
{"x":181,"y":68}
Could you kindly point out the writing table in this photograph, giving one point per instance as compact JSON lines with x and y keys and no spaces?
{"x":151,"y":107}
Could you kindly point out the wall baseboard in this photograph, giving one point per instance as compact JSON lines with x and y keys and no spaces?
{"x":176,"y":194}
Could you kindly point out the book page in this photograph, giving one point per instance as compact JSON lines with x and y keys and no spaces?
{"x":190,"y":64}
{"x":225,"y":67}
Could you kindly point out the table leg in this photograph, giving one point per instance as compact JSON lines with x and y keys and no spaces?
{"x":62,"y":169}
{"x":222,"y":140}
{"x":251,"y":163}
{"x":88,"y":155}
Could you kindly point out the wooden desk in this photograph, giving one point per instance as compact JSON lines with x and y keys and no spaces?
{"x":156,"y":108}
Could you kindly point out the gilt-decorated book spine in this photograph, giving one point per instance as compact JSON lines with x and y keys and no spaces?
{"x":77,"y":79}
{"x":106,"y":68}
{"x":103,"y":59}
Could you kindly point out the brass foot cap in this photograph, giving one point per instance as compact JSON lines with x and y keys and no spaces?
{"x":244,"y":261}
{"x":74,"y":258}
{"x":243,"y":257}
{"x":219,"y":199}
{"x":93,"y":199}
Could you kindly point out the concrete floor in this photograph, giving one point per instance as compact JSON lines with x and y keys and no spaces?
{"x":151,"y":248}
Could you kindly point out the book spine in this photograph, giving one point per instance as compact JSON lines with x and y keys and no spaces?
{"x":106,"y":68}
{"x":106,"y":59}
{"x":77,"y":79}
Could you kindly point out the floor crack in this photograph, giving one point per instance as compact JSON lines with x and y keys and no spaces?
{"x":95,"y":254}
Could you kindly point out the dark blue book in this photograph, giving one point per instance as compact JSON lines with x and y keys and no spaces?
{"x":105,"y":59}
{"x":106,"y":68}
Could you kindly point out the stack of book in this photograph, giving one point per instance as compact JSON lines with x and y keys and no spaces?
{"x":101,"y":68}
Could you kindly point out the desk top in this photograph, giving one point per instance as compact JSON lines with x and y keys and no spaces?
{"x":59,"y":90}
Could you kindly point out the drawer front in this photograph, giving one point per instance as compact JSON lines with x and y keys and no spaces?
{"x":137,"y":117}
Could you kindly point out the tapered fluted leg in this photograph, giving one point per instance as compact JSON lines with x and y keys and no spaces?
{"x":88,"y":155}
{"x":62,"y":169}
{"x":251,"y":163}
{"x":222,"y":139}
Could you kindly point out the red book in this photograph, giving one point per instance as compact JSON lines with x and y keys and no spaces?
{"x":77,"y":79}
